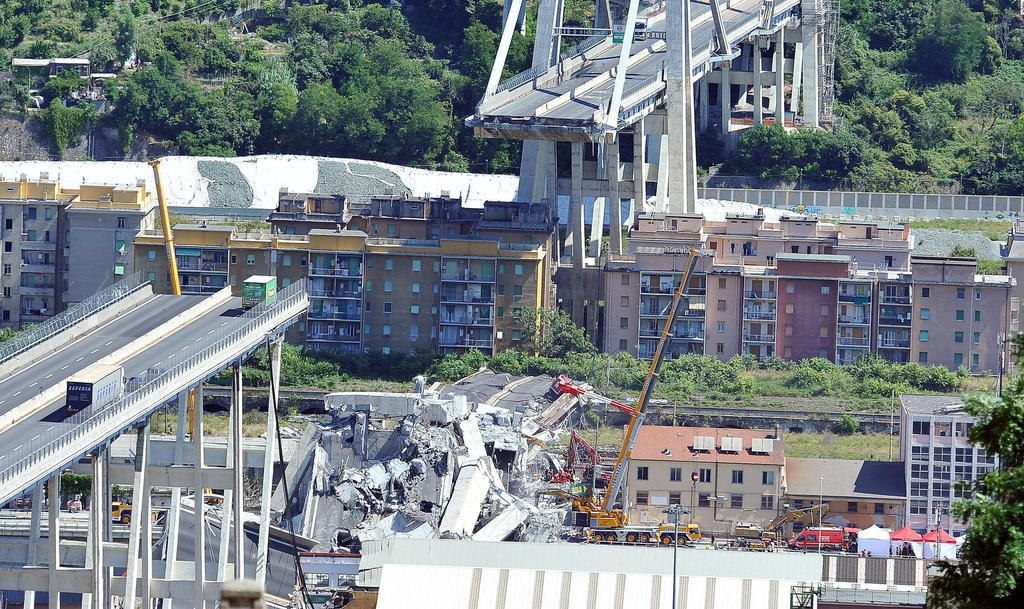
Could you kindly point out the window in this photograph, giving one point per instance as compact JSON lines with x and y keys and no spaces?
{"x":919,"y":471}
{"x":7,"y":292}
{"x":824,"y":310}
{"x":975,"y":359}
{"x":823,"y":331}
{"x":675,"y":474}
{"x":958,"y":337}
{"x":387,"y":307}
{"x":959,"y":314}
{"x":151,"y":255}
{"x":30,"y":213}
{"x":922,"y":357}
{"x":925,"y":292}
{"x":517,"y":290}
{"x":368,"y":285}
{"x":703,"y":499}
{"x":940,"y":471}
{"x":721,"y":303}
{"x":624,"y":301}
{"x":622,"y":345}
{"x":119,"y":268}
{"x":977,"y":316}
{"x":285,"y":282}
{"x":8,"y":224}
{"x":768,"y":478}
{"x":674,"y":498}
{"x":964,"y":455}
{"x":623,"y":322}
{"x":385,"y":330}
{"x":48,"y":213}
{"x":940,"y":489}
{"x":414,"y":333}
{"x":977,"y":293}
{"x":960,"y":292}
{"x":624,"y":279}
{"x":958,"y":359}
{"x":918,"y":507}
{"x":517,"y":334}
{"x":923,"y":428}
{"x":250,"y":259}
{"x":721,"y":283}
{"x":736,"y":501}
{"x":437,"y":266}
{"x":942,"y":453}
{"x":415,"y":287}
{"x":964,"y":472}
{"x":790,"y":288}
{"x":641,"y":497}
{"x":641,"y":472}
{"x":501,"y":289}
{"x":923,"y":336}
{"x":517,"y":269}
{"x":790,"y":308}
{"x":121,"y":221}
{"x":389,"y":264}
{"x":919,"y":453}
{"x":918,"y":489}
{"x":318,"y":580}
{"x":31,"y":235}
{"x":286,"y":260}
{"x":704,"y":475}
{"x":719,"y":347}
{"x":119,"y":246}
{"x":824,"y":289}
{"x":737,"y":476}
{"x":720,"y":326}
{"x":926,"y":313}
{"x":767,"y":502}
{"x":7,"y":269}
{"x":417,"y":265}
{"x":976,"y":338}
{"x":414,"y":309}
{"x":388,"y":285}
{"x":7,"y":248}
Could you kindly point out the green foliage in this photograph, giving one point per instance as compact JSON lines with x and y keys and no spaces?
{"x":771,"y":152}
{"x":847,"y":425}
{"x":963,"y":251}
{"x":949,"y":43}
{"x":987,"y":266}
{"x":65,"y":126}
{"x":75,"y":484}
{"x":62,"y":86}
{"x":552,"y":333}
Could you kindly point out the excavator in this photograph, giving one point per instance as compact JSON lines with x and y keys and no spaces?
{"x":770,"y":530}
{"x":604,"y":517}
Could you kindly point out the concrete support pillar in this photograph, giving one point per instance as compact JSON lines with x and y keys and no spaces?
{"x":596,"y":226}
{"x":725,"y":97}
{"x":780,"y":78}
{"x":702,"y":114}
{"x":536,"y":162}
{"x":810,"y":75}
{"x":758,"y":108}
{"x":33,"y":540}
{"x":794,"y":93}
{"x":576,"y":216}
{"x":268,"y":461}
{"x":614,"y":197}
{"x":199,"y":553}
{"x":99,"y":518}
{"x":174,"y":511}
{"x":661,"y":192}
{"x":140,"y":515}
{"x":235,"y":461}
{"x":681,"y":126}
{"x":639,"y":168}
{"x":53,"y":558}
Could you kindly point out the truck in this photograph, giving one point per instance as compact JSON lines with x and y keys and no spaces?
{"x":829,"y":538}
{"x":259,"y":289}
{"x":95,"y":386}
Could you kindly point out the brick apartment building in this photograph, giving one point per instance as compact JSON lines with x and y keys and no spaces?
{"x":391,"y":274}
{"x":63,"y":244}
{"x":799,"y":288}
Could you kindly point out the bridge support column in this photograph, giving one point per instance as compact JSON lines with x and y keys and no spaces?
{"x":174,"y":511}
{"x":639,"y":169}
{"x":235,"y":443}
{"x":702,"y":110}
{"x":810,"y":75}
{"x":33,"y":540}
{"x":682,"y":158}
{"x":274,"y":355}
{"x":780,"y":78}
{"x":199,"y":537}
{"x":661,"y":193}
{"x":614,"y":198}
{"x":725,"y":98}
{"x":99,"y":517}
{"x":794,"y":93}
{"x":758,"y":107}
{"x":53,"y":560}
{"x":576,"y":216}
{"x":597,"y":211}
{"x":140,"y":518}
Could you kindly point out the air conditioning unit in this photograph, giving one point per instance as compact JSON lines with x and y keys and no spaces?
{"x":703,"y":443}
{"x":732,"y":444}
{"x":762,"y":445}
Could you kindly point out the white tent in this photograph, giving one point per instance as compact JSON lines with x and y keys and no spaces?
{"x":939,"y":544}
{"x":873,"y":539}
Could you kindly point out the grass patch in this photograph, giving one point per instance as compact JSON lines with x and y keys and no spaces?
{"x":254,"y":424}
{"x":993,"y":229}
{"x":868,"y":446}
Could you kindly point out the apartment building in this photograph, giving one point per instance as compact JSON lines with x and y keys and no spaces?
{"x":859,"y":493}
{"x":783,"y":291}
{"x":936,"y":453}
{"x":740,"y":475}
{"x":444,"y":278}
{"x":62,"y":244}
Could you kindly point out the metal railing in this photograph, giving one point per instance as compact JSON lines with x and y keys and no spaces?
{"x":759,"y":338}
{"x":853,"y":341}
{"x":85,"y":429}
{"x":521,"y":78}
{"x":896,"y":300}
{"x":581,"y":47}
{"x":98,"y":301}
{"x":766,"y":315}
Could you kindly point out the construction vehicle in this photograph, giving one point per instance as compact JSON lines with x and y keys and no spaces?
{"x":770,"y":530}
{"x":121,"y":512}
{"x":605,"y":518}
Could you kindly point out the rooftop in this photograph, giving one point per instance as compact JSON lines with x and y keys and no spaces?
{"x":664,"y":443}
{"x":792,"y":257}
{"x":845,"y":478}
{"x":933,"y":404}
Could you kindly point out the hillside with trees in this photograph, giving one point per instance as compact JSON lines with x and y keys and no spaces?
{"x":929,"y":92}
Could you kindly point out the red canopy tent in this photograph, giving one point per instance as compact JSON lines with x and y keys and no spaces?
{"x":905,"y":534}
{"x":938,"y":535}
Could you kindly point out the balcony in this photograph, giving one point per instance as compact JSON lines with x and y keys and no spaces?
{"x":762,"y":295}
{"x":334,"y":338}
{"x":203,"y":267}
{"x":37,"y":266}
{"x":35,"y":290}
{"x":467,"y":298}
{"x":465,"y":320}
{"x":759,"y":338}
{"x":854,"y":320}
{"x":854,"y":298}
{"x":846,"y":361}
{"x":334,"y":272}
{"x":853,"y":341}
{"x":899,"y":300}
{"x":35,"y":314}
{"x":39,"y":246}
{"x":767,"y":315}
{"x":469,"y":278}
{"x":646,"y":288}
{"x":894,"y":343}
{"x":336,"y":315}
{"x":894,"y":321}
{"x":201,"y":289}
{"x":486,"y":343}
{"x":336,"y":293}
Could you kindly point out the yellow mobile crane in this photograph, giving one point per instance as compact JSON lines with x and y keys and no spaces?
{"x":607,"y":520}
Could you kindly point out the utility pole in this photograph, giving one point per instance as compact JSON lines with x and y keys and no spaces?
{"x":892,"y":420}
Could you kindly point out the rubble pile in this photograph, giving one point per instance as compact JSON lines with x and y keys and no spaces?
{"x":428,"y":465}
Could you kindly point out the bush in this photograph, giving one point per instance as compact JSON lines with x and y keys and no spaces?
{"x":847,"y":425}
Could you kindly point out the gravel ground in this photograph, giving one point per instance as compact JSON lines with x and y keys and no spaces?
{"x":358,"y":180}
{"x":227,"y":186}
{"x":940,"y":242}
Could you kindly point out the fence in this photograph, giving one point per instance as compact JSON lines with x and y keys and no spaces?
{"x":83,"y":430}
{"x":98,"y":301}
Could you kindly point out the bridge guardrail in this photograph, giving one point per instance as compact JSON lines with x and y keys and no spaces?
{"x":98,"y":301}
{"x":581,"y":47}
{"x":126,"y":410}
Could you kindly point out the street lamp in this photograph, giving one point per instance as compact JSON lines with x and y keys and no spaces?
{"x":821,"y":511}
{"x":673,"y":511}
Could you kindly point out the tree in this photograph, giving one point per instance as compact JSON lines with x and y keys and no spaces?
{"x":990,"y":574}
{"x":125,"y":33}
{"x":963,"y":251}
{"x":552,"y":333}
{"x":847,"y":425}
{"x":949,"y":43}
{"x":64,"y":125}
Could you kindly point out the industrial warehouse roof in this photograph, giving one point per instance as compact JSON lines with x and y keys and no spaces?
{"x":940,"y":405}
{"x":845,"y":478}
{"x":663,"y":443}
